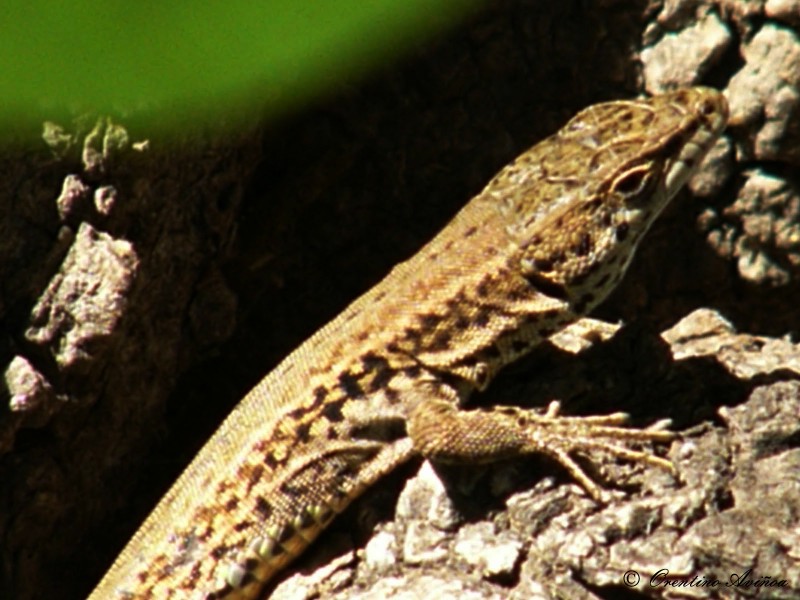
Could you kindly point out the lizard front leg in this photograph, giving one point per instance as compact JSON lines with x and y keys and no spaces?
{"x":443,"y":432}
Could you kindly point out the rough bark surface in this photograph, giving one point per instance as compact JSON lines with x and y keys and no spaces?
{"x":147,"y":285}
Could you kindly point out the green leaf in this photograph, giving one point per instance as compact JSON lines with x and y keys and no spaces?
{"x":203,"y":59}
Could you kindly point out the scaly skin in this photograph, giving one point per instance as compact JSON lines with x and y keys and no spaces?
{"x":546,"y":241}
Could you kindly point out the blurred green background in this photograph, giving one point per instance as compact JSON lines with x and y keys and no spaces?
{"x":219,"y":61}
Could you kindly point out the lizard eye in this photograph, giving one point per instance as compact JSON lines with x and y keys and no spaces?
{"x":635,"y":184}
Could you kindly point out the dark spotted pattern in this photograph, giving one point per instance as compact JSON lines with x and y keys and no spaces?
{"x":584,"y":246}
{"x":621,"y":231}
{"x":351,"y":385}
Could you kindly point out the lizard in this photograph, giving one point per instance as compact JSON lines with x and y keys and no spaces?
{"x":545,"y":242}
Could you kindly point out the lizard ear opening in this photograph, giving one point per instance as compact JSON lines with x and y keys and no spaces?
{"x":549,"y":286}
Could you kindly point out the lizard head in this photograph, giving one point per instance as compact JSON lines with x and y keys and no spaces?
{"x":602,"y":181}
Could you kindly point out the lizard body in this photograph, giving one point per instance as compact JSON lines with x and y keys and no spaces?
{"x":546,"y":241}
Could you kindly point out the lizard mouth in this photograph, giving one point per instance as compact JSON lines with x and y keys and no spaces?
{"x":707,"y":118}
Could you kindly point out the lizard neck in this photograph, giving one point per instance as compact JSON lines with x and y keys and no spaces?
{"x":466,"y":308}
